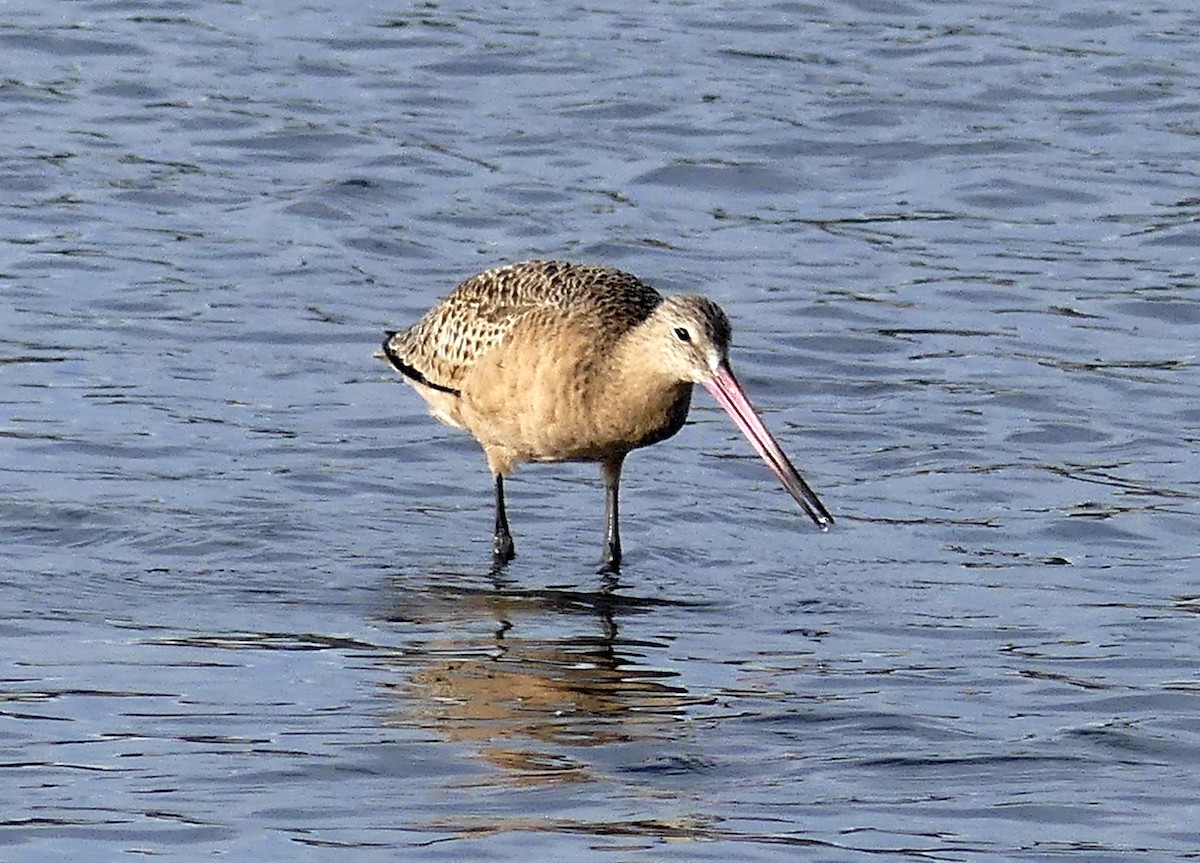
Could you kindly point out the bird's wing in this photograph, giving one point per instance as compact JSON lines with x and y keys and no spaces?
{"x":440,"y":348}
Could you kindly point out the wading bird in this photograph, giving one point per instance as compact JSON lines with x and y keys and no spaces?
{"x":547,"y":361}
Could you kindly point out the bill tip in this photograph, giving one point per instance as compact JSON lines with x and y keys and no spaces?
{"x":823,"y":521}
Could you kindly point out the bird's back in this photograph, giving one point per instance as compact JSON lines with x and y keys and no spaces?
{"x":440,"y":348}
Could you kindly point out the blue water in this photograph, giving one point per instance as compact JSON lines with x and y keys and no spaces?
{"x":245,"y":606}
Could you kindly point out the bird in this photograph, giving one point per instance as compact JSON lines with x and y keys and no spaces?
{"x":551,"y":361}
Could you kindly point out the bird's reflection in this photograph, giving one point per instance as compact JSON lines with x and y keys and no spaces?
{"x":532,"y":678}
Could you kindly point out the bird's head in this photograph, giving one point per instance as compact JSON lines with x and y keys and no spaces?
{"x":689,"y":338}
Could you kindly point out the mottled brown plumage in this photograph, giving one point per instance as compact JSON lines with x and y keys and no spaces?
{"x":551,"y":361}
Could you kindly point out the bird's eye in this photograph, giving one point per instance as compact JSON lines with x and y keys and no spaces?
{"x":682,"y":334}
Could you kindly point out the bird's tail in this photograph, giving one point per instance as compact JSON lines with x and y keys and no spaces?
{"x":389,"y":353}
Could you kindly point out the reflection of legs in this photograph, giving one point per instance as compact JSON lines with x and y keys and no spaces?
{"x":611,"y":470}
{"x":503,"y":549}
{"x":606,"y":603}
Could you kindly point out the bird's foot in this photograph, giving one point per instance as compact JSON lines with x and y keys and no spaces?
{"x":610,"y":563}
{"x":503,"y":550}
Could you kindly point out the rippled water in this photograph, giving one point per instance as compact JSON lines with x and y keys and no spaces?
{"x":246,"y":608}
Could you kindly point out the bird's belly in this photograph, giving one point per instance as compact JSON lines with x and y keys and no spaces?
{"x":555,"y":409}
{"x":591,"y":436}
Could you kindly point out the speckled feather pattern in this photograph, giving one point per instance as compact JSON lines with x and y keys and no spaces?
{"x":477,"y":315}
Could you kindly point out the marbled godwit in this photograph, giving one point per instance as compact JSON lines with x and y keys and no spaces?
{"x":550,"y":361}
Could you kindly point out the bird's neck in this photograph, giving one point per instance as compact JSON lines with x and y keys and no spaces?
{"x":637,"y":397}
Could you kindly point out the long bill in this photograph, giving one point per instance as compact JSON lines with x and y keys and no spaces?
{"x":730,"y":395}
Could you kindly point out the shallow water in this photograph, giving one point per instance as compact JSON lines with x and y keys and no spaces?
{"x":246,"y":607}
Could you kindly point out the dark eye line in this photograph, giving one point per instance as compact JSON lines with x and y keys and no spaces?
{"x":682,"y":334}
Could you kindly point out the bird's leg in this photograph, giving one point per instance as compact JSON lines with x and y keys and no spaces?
{"x":503,"y":549}
{"x":611,"y":469}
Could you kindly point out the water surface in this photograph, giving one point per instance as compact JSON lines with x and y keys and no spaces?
{"x":246,"y":608}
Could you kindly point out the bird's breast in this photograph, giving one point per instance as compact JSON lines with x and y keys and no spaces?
{"x":561,"y":400}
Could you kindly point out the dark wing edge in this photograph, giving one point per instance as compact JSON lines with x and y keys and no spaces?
{"x":411,"y":372}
